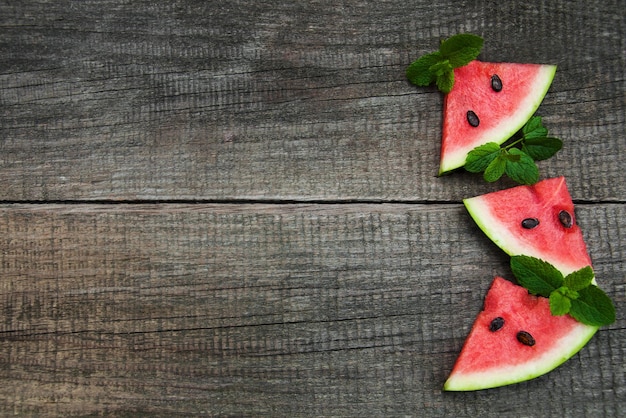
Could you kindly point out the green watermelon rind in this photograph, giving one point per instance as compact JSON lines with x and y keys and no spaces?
{"x":567,"y":347}
{"x":509,"y":126}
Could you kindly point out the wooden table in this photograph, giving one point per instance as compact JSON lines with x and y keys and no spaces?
{"x":231,"y":208}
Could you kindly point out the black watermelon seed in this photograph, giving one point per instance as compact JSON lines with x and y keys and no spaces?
{"x":496,"y":324}
{"x":565,"y":218}
{"x":530,"y":223}
{"x":525,"y":338}
{"x":472,"y":118}
{"x":496,"y":83}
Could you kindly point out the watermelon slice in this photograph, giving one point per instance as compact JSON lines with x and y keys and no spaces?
{"x":489,"y":102}
{"x":537,"y":221}
{"x":514,"y":338}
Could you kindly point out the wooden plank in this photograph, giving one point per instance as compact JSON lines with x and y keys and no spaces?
{"x":214,"y":100}
{"x":281,"y":310}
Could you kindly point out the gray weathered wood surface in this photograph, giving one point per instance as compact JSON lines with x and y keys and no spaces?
{"x":230,"y":208}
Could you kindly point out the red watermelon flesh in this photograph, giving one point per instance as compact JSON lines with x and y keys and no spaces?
{"x":500,"y":114}
{"x":491,"y":358}
{"x":508,"y":218}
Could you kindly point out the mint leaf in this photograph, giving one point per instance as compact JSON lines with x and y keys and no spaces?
{"x":574,"y":294}
{"x":419,"y":72}
{"x":535,"y":141}
{"x":445,"y":82}
{"x":438,"y":67}
{"x":524,"y":170}
{"x":559,"y":303}
{"x":441,"y":67}
{"x":538,"y":276}
{"x":520,"y":154}
{"x":534,"y":128}
{"x":541,"y":148}
{"x":579,"y":279}
{"x":511,"y":156}
{"x":593,"y":307}
{"x":495,"y":169}
{"x":479,"y":158}
{"x":463,"y":56}
{"x":460,"y":42}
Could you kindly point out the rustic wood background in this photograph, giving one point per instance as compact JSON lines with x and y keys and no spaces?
{"x":230,"y":208}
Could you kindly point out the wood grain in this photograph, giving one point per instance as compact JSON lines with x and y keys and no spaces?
{"x":230,"y":208}
{"x":290,"y":310}
{"x":272,"y":100}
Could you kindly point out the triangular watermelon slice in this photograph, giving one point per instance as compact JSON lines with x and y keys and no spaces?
{"x":515,"y":338}
{"x":537,"y":221}
{"x":489,"y":102}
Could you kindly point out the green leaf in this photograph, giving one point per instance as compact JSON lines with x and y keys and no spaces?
{"x":479,"y":158}
{"x":539,"y":132}
{"x":579,"y":279}
{"x":584,"y":301}
{"x":445,"y":82}
{"x":534,"y":128}
{"x":463,"y":56}
{"x":512,"y":156}
{"x":459,"y":42}
{"x":524,"y":171}
{"x":559,"y":303}
{"x":593,"y":307}
{"x":541,"y":148}
{"x":536,"y":142}
{"x":533,"y":123}
{"x":495,"y":169}
{"x":438,"y":67}
{"x":419,"y":72}
{"x":520,"y":163}
{"x":538,"y":276}
{"x":441,"y":67}
{"x":572,"y":294}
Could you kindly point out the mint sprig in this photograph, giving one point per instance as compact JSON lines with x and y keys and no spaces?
{"x":517,"y":157}
{"x":574,"y":294}
{"x":438,"y":67}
